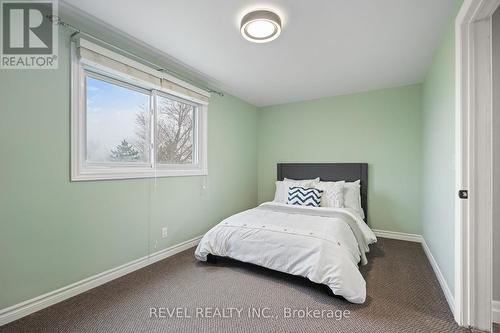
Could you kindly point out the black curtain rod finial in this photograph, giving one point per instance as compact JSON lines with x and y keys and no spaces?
{"x":220,"y":93}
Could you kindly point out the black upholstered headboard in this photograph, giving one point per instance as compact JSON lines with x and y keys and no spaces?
{"x":329,"y":172}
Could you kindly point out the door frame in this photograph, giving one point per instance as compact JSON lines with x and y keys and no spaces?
{"x":473,"y":164}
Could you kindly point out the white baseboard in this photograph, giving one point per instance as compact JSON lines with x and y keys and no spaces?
{"x":398,"y":235}
{"x":450,"y":298}
{"x":495,"y":311}
{"x":35,"y":304}
{"x":419,"y":239}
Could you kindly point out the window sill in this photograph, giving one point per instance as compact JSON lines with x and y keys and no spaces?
{"x":136,"y":174}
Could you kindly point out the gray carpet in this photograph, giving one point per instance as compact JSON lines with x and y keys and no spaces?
{"x":403,"y":296}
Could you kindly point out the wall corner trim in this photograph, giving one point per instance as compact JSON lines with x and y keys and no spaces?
{"x":437,"y":271}
{"x":38,"y":303}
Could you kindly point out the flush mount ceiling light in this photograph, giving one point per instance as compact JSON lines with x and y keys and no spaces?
{"x":260,"y":26}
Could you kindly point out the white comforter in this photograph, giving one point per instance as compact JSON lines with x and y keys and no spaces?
{"x":322,"y":244}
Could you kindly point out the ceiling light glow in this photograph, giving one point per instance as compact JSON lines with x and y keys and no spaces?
{"x":260,"y":26}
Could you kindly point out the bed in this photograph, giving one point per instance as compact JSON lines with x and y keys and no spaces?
{"x":323,"y":244}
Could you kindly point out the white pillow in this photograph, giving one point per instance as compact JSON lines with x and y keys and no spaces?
{"x":281,"y":194}
{"x":352,"y":197}
{"x":333,"y":194}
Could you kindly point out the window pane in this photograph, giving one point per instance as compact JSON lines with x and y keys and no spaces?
{"x":174,"y":134}
{"x":117,"y":123}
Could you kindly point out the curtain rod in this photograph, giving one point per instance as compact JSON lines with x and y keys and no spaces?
{"x":58,"y":21}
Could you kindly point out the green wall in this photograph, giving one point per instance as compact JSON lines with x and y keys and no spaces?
{"x":382,"y":128}
{"x":438,"y":154}
{"x":54,"y":232}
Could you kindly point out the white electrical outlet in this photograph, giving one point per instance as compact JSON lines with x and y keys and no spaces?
{"x":164,"y":232}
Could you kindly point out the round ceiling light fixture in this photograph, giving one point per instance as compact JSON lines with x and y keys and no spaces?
{"x":260,"y":26}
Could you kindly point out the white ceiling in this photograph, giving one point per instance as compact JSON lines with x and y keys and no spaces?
{"x":328,"y":47}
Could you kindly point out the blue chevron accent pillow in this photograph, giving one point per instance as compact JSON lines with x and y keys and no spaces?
{"x":304,"y":196}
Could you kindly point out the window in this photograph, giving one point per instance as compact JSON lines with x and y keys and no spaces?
{"x":128,"y":125}
{"x":174,"y":131}
{"x":117,"y":119}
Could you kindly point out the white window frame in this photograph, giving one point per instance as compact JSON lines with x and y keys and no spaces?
{"x":83,"y":171}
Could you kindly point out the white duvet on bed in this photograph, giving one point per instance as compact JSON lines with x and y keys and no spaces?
{"x":322,"y":244}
